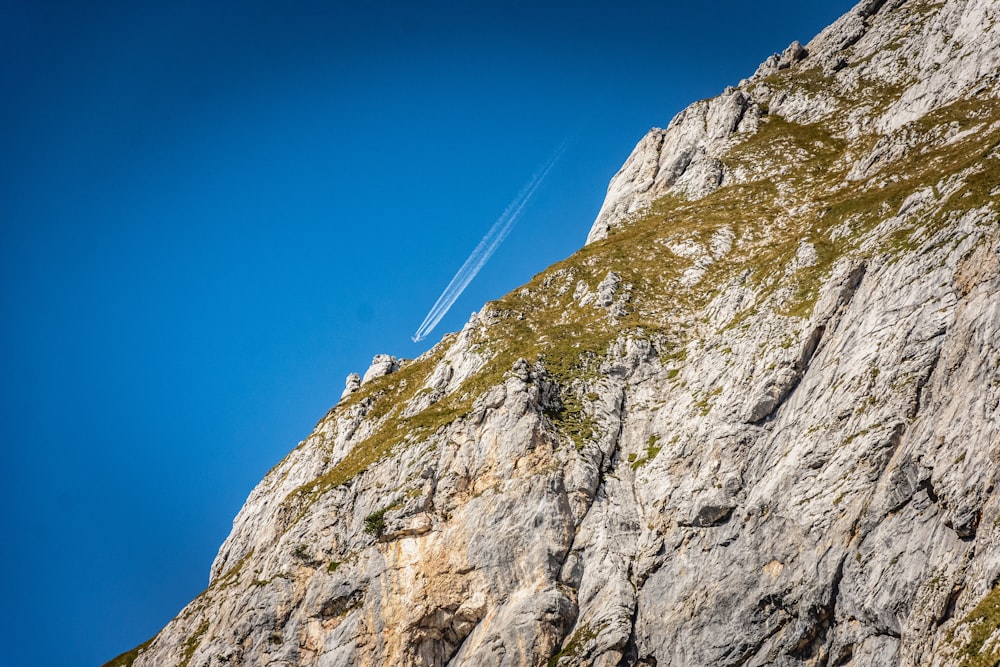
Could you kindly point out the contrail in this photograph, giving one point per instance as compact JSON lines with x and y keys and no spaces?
{"x":487,"y":246}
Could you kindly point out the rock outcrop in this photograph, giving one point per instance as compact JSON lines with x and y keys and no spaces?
{"x":754,"y":421}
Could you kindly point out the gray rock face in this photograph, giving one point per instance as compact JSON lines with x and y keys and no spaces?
{"x":353,"y":383}
{"x":382,"y":365}
{"x":755,"y":422}
{"x":682,"y":159}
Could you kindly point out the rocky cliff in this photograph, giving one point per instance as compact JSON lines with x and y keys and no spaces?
{"x":754,"y":421}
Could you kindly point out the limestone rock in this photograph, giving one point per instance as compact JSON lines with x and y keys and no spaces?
{"x":382,"y":365}
{"x":353,"y":384}
{"x":682,"y":158}
{"x":756,"y":422}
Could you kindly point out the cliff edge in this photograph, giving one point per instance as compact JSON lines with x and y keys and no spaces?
{"x":754,"y":421}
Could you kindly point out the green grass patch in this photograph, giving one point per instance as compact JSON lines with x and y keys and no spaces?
{"x":982,"y":622}
{"x":192,"y":643}
{"x":232,"y":575}
{"x":127,"y":658}
{"x":375,"y":522}
{"x":575,"y":645}
{"x":652,"y":449}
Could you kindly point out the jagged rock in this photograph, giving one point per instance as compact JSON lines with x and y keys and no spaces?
{"x":784,"y":451}
{"x":769,"y":394}
{"x":793,"y":54}
{"x":708,"y":515}
{"x":382,"y":365}
{"x":607,"y":289}
{"x":683,"y":158}
{"x":353,"y":384}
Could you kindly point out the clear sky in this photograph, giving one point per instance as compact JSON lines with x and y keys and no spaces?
{"x":212,"y":212}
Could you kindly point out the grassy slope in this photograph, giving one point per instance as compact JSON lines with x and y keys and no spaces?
{"x":541,"y":322}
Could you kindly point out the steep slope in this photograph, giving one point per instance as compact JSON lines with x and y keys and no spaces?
{"x":753,"y":421}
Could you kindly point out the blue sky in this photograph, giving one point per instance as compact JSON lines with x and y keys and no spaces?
{"x":212,"y":212}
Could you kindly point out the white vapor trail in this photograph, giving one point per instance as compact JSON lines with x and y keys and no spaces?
{"x":487,"y":246}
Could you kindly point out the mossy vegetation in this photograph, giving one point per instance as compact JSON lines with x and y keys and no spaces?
{"x":127,"y":658}
{"x":192,"y":643}
{"x":573,"y":422}
{"x":704,"y":404}
{"x":232,"y":575}
{"x":980,"y":624}
{"x":803,"y":79}
{"x":375,"y":522}
{"x":575,"y":645}
{"x":652,"y":449}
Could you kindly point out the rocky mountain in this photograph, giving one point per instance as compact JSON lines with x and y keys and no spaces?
{"x":754,"y":421}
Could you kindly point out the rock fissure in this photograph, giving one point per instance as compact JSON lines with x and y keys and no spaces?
{"x":753,"y":651}
{"x":815,"y":645}
{"x":630,"y":652}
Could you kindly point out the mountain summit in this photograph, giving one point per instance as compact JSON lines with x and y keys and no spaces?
{"x":754,"y":421}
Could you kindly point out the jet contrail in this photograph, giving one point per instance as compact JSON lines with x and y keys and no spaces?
{"x":487,"y":246}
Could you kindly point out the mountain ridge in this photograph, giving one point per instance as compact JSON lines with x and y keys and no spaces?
{"x":752,"y":421}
